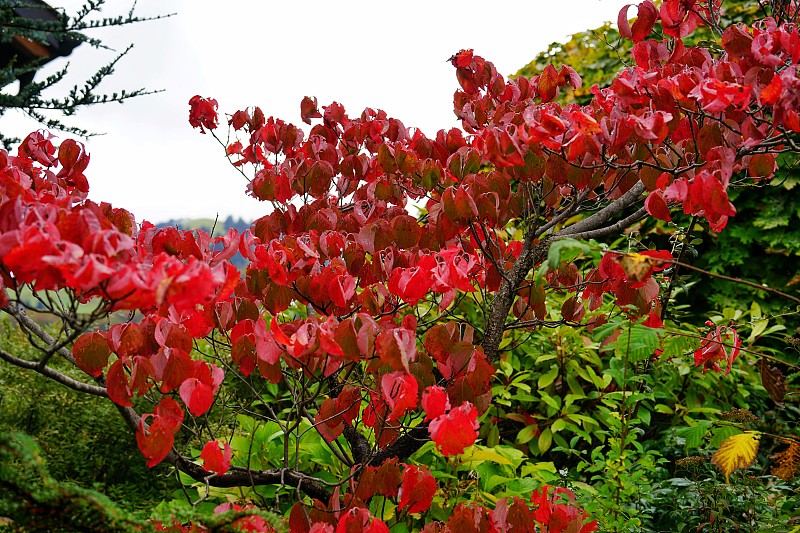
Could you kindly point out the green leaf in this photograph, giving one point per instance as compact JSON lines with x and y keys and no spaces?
{"x":638,"y":342}
{"x":677,"y":345}
{"x":694,"y":435}
{"x":719,"y":435}
{"x":555,"y":403}
{"x":527,"y":433}
{"x":558,"y":425}
{"x":565,"y":251}
{"x":480,"y":455}
{"x":548,"y":378}
{"x":495,"y":481}
{"x":545,"y":440}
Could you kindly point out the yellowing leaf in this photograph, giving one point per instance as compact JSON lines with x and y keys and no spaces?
{"x":636,"y":266}
{"x":479,"y":456}
{"x":737,"y":451}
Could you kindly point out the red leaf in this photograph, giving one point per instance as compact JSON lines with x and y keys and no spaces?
{"x":400,"y":392}
{"x":154,"y":442}
{"x":516,"y":517}
{"x":417,"y":489}
{"x":91,"y":353}
{"x":385,"y":479}
{"x":216,"y":459}
{"x":74,"y":160}
{"x":170,"y":413}
{"x":120,"y":387}
{"x":572,"y":310}
{"x":772,"y":92}
{"x":277,"y":332}
{"x":397,"y":348}
{"x":328,"y":420}
{"x":173,"y":367}
{"x":645,"y":20}
{"x":126,"y":339}
{"x":358,"y":520}
{"x":38,"y":147}
{"x":761,"y":166}
{"x":117,"y":384}
{"x":656,"y":206}
{"x":308,"y":109}
{"x":435,"y":402}
{"x":349,"y":403}
{"x":462,"y":59}
{"x":721,"y":344}
{"x":203,"y":113}
{"x":470,"y":518}
{"x":678,"y":17}
{"x":454,"y":431}
{"x":548,"y":83}
{"x":411,"y":284}
{"x":197,"y":396}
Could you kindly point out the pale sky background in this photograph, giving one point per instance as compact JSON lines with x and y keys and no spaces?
{"x":387,"y":55}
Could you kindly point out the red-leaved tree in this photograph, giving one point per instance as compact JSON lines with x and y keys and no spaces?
{"x":389,"y":267}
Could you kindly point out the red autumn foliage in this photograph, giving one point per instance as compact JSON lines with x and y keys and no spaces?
{"x":349,"y":302}
{"x":215,"y":459}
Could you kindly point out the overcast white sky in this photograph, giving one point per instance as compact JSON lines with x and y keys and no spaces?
{"x":388,"y":55}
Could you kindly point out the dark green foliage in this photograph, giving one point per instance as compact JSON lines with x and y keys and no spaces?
{"x":33,"y":501}
{"x":766,"y":249}
{"x":83,"y":438}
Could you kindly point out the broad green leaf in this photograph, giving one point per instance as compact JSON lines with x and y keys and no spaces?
{"x":721,"y":434}
{"x":677,"y":345}
{"x":545,"y":440}
{"x":495,"y":481}
{"x":527,"y":433}
{"x":565,"y":251}
{"x":637,"y":342}
{"x":548,"y":378}
{"x":694,"y":435}
{"x":479,"y":455}
{"x":555,"y":403}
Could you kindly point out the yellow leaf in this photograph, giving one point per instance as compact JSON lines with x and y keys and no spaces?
{"x":737,"y":451}
{"x":479,"y":456}
{"x":636,"y":266}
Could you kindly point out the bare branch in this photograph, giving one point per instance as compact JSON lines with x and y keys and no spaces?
{"x":608,"y":230}
{"x":65,"y":380}
{"x":607,"y":213}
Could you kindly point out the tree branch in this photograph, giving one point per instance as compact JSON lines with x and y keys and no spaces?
{"x":403,"y":447}
{"x":607,"y":213}
{"x":496,"y":325}
{"x":237,"y":476}
{"x":65,"y":380}
{"x":24,"y":320}
{"x":608,"y":230}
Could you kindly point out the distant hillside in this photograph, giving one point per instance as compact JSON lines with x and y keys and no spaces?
{"x":208,"y":224}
